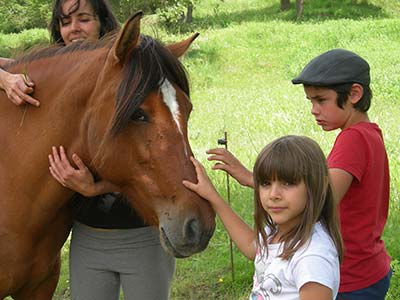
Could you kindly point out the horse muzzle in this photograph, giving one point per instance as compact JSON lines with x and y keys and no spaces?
{"x":183,"y":238}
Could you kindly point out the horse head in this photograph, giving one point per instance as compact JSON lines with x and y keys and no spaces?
{"x":137,"y":137}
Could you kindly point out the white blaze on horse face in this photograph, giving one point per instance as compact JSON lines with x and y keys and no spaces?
{"x":169,"y":96}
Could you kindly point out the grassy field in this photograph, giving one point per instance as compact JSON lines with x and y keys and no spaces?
{"x":240,"y":69}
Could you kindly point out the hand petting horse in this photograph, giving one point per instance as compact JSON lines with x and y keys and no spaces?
{"x":122,"y":104}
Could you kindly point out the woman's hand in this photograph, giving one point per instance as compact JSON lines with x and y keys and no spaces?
{"x":227,"y":162}
{"x":18,"y":87}
{"x":81,"y":179}
{"x":204,"y":187}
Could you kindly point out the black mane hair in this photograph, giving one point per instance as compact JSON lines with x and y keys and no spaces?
{"x":148,"y":66}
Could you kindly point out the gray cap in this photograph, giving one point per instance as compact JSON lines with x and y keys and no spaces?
{"x":337,"y":66}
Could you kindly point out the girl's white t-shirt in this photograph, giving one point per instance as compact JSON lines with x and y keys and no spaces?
{"x":278,"y":279}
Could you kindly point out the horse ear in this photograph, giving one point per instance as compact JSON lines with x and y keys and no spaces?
{"x":178,"y":49}
{"x":128,"y":38}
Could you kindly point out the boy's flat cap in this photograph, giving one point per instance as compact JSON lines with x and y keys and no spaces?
{"x":337,"y":66}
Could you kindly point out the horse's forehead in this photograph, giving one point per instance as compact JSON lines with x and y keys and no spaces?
{"x":169,"y":96}
{"x":170,"y":99}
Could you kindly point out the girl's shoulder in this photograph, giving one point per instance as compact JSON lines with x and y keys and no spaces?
{"x":319,"y":243}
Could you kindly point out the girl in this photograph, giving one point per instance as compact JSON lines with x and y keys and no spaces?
{"x":296,"y":245}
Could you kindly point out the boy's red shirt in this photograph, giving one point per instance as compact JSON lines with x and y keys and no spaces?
{"x":360,"y":151}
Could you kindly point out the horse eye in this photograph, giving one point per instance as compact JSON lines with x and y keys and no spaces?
{"x":139,"y":116}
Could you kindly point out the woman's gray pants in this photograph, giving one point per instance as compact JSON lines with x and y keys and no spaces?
{"x":102,"y":261}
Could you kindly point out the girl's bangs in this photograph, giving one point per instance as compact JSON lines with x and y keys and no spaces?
{"x":279,"y":164}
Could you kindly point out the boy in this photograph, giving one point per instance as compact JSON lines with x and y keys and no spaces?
{"x":337,"y":85}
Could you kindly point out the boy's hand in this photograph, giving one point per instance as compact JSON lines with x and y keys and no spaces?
{"x":227,"y":162}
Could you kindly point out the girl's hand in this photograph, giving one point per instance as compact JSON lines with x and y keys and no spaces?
{"x":204,"y":187}
{"x":80,"y":180}
{"x":18,"y":87}
{"x":227,"y":162}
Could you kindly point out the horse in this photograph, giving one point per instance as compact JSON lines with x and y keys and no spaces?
{"x":122,"y":104}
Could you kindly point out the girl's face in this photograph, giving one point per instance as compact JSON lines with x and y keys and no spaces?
{"x":80,"y":25}
{"x":325,"y":109}
{"x":284,"y":202}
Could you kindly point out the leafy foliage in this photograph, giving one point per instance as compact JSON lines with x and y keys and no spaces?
{"x":17,"y":15}
{"x":11,"y":45}
{"x":171,"y":12}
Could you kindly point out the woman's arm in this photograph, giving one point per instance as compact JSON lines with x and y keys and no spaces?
{"x":17,"y":86}
{"x":80,"y":180}
{"x":4,"y":61}
{"x":227,"y":162}
{"x":241,"y":233}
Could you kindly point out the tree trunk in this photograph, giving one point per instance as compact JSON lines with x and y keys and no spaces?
{"x":285,"y":5}
{"x":189,"y":14}
{"x":299,"y":8}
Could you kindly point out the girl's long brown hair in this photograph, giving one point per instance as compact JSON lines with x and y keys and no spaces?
{"x":295,"y":159}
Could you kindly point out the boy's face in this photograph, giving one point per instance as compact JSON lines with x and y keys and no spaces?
{"x":325,"y":110}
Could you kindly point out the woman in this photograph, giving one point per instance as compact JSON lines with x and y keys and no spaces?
{"x":110,"y":245}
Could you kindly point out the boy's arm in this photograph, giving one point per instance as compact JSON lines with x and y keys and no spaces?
{"x":241,"y":233}
{"x":340,"y":181}
{"x":227,"y":162}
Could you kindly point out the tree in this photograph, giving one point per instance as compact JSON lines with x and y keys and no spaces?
{"x":285,"y":5}
{"x":169,"y":11}
{"x":299,"y":8}
{"x":16,"y":15}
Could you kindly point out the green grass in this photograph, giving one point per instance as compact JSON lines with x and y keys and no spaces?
{"x":240,"y":69}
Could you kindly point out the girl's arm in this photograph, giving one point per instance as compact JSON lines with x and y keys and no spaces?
{"x":315,"y":291}
{"x":79,"y":180}
{"x":227,"y":162}
{"x":241,"y":233}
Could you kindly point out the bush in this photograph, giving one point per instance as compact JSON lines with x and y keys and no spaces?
{"x":171,"y":12}
{"x":11,"y":45}
{"x":17,"y":15}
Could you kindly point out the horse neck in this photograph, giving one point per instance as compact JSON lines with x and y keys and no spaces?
{"x":63,"y":85}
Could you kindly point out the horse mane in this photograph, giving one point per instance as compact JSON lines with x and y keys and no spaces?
{"x":146,"y":69}
{"x":47,"y":51}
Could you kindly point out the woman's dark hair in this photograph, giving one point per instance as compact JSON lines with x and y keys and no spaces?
{"x":101,"y":8}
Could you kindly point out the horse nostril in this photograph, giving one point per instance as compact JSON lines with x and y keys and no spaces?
{"x":192,"y":231}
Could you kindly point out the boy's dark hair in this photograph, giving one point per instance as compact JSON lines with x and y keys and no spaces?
{"x":343,"y":92}
{"x":101,"y":8}
{"x":338,"y":69}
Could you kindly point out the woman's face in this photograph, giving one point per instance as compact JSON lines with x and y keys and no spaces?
{"x":79,"y":25}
